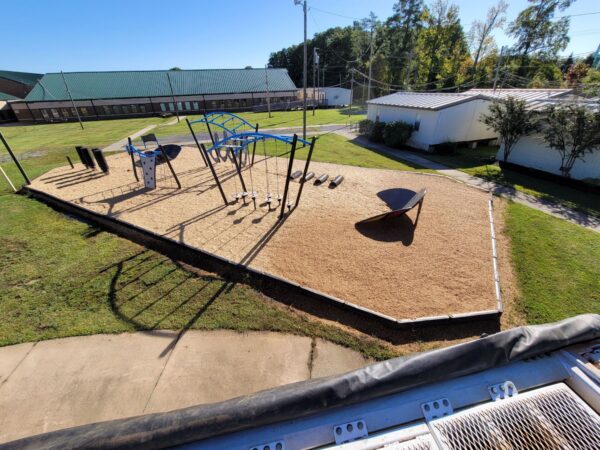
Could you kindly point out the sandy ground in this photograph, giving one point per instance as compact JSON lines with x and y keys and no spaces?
{"x":441,"y":266}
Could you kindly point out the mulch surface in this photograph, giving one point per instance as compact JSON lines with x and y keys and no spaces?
{"x":440,"y":266}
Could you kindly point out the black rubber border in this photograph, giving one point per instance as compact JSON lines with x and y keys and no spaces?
{"x":269,"y":284}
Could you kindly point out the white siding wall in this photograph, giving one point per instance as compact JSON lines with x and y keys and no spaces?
{"x":459,"y":123}
{"x":531,"y":151}
{"x":337,"y":96}
{"x":423,"y":138}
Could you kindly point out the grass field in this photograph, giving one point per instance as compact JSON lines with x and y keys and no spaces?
{"x":279,"y":119}
{"x":333,"y":148}
{"x":477,"y":162}
{"x":61,"y":277}
{"x":556,"y":264}
{"x":61,"y":136}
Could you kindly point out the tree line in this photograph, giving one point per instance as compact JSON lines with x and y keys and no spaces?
{"x":425,"y":47}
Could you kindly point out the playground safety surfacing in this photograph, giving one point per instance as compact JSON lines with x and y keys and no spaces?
{"x":442,"y":265}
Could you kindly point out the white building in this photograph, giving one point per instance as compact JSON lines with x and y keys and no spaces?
{"x":447,"y":117}
{"x":533,"y":152}
{"x":437,"y":117}
{"x":336,"y":96}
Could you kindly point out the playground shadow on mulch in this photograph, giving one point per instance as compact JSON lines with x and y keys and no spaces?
{"x":392,"y":229}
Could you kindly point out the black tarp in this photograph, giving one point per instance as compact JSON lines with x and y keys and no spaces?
{"x":309,"y":397}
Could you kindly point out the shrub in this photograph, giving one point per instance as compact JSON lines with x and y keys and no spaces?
{"x":376,"y":134}
{"x":365,"y":126}
{"x":395,"y":134}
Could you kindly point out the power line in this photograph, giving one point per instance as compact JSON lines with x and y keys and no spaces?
{"x":334,"y":14}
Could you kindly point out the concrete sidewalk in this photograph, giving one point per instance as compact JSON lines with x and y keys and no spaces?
{"x":547,"y":206}
{"x":73,"y":381}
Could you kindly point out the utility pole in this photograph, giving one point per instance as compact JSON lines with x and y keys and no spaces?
{"x":304,"y":75}
{"x":71,"y":97}
{"x":173,"y":96}
{"x":315,"y":77}
{"x":371,"y":61}
{"x":351,"y":91}
{"x":498,"y":67}
{"x":268,"y":94}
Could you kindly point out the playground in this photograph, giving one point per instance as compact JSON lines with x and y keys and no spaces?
{"x":434,"y":259}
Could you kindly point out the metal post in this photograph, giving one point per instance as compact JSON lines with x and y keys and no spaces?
{"x":315,"y":77}
{"x":214,"y":174}
{"x":238,"y":169}
{"x":71,"y":97}
{"x":289,"y":173}
{"x":254,"y":147}
{"x":196,"y":141}
{"x":268,"y":94}
{"x":304,"y":79}
{"x":14,"y":158}
{"x":70,"y":162}
{"x":166,"y":158}
{"x":173,"y":96}
{"x":370,"y":62}
{"x":310,"y":151}
{"x":351,"y":93}
{"x":212,"y":139}
{"x":132,"y":160}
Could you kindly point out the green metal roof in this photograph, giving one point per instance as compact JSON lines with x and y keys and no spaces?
{"x":106,"y":85}
{"x":4,"y":97}
{"x":21,"y":77}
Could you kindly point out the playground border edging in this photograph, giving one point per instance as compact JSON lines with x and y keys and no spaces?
{"x":269,"y":284}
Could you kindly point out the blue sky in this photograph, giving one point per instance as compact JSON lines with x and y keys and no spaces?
{"x":70,"y":35}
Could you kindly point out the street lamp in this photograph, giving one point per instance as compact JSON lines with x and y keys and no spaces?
{"x":304,"y":78}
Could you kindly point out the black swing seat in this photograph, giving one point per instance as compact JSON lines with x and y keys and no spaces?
{"x":416,"y":199}
{"x":171,"y":150}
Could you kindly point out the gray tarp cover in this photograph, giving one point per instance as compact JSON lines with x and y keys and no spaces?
{"x":301,"y":399}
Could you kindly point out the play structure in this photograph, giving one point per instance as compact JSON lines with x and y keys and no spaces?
{"x":235,"y":142}
{"x":150,"y":159}
{"x":415,"y":200}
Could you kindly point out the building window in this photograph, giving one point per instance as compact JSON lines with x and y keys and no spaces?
{"x":45,"y":114}
{"x":125,"y":109}
{"x":187,"y":106}
{"x":106,"y":110}
{"x":84,"y":111}
{"x":163,"y":107}
{"x":195,"y":106}
{"x":116,"y":109}
{"x":134,"y":108}
{"x":171,"y":106}
{"x":142,"y":109}
{"x":417,"y":122}
{"x":55,"y":113}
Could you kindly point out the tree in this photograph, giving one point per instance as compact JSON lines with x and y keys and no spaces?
{"x":480,"y":34}
{"x":537,"y":32}
{"x":175,"y":68}
{"x":401,"y":33}
{"x":591,"y":83}
{"x":576,"y":73}
{"x":573,"y":131}
{"x":511,"y":120}
{"x":248,"y":67}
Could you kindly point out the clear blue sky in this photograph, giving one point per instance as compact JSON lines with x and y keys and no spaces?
{"x":71,"y":35}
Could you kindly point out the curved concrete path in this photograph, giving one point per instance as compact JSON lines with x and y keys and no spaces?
{"x":62,"y":383}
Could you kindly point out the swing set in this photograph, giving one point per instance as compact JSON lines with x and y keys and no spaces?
{"x":238,"y":136}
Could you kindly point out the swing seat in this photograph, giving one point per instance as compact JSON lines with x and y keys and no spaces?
{"x":416,"y":199}
{"x":171,"y":150}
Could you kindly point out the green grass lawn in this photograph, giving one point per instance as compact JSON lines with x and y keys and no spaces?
{"x":279,"y":119}
{"x":61,"y":136}
{"x":61,"y":277}
{"x":333,"y":148}
{"x":556,"y":263}
{"x":477,"y":162}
